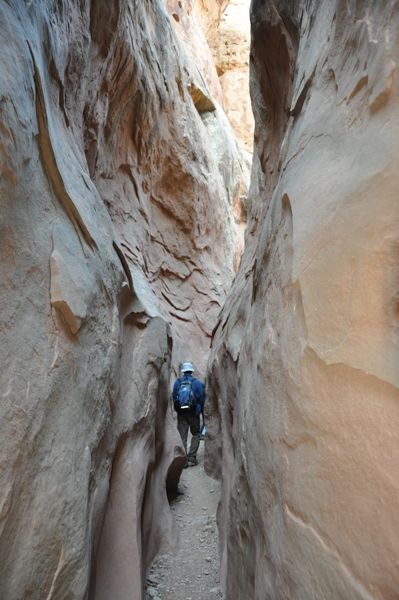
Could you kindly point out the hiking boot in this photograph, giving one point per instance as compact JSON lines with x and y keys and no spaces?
{"x":192,"y":461}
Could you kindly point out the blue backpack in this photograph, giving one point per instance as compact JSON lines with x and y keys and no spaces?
{"x":186,"y":397}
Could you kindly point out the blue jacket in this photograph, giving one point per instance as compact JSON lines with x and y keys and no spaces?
{"x":197,"y":385}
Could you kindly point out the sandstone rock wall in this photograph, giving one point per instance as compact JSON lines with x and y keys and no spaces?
{"x":196,"y":22}
{"x":166,"y":163}
{"x":217,"y":34}
{"x":230,"y":50}
{"x":118,"y":175}
{"x":303,"y":385}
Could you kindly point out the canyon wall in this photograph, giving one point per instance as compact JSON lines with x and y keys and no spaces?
{"x":230,"y":50}
{"x":118,"y":177}
{"x":196,"y":23}
{"x":218,"y":34}
{"x":303,"y":400}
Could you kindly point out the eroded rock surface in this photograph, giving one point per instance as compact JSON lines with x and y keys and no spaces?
{"x":117,"y":189}
{"x":303,"y":406}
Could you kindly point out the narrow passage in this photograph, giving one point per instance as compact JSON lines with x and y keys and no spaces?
{"x":194,"y":573}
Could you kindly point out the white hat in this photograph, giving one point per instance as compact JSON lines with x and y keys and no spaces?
{"x":187,"y":368}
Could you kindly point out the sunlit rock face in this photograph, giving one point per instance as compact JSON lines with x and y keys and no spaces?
{"x":303,"y":398}
{"x":218,"y":34}
{"x":230,"y":49}
{"x":118,"y":176}
{"x":196,"y":23}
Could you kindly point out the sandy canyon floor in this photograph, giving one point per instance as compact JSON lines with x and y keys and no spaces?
{"x":194,"y":573}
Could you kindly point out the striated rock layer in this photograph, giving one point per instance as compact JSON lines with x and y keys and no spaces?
{"x":303,"y":386}
{"x":118,"y":176}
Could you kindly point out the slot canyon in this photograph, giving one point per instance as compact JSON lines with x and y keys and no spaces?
{"x":210,"y":181}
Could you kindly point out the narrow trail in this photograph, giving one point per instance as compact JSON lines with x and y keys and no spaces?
{"x":194,"y":573}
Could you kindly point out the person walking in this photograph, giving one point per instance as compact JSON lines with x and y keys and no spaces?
{"x":188,"y":396}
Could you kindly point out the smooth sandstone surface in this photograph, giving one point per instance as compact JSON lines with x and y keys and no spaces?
{"x":303,"y":403}
{"x":119,"y":174}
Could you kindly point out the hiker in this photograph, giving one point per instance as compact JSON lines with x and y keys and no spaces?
{"x":188,"y":396}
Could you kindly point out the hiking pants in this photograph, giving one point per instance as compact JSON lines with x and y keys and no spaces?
{"x":183,"y":423}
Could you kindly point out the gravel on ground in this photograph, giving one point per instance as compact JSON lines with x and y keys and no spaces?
{"x":194,"y":573}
